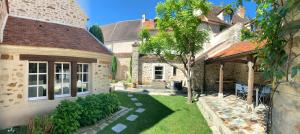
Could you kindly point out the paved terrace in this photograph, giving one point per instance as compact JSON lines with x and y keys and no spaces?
{"x":229,"y":115}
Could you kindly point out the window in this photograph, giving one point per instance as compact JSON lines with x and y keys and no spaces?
{"x":158,"y":72}
{"x":227,"y":18}
{"x":62,"y":79}
{"x":82,"y":77}
{"x":174,"y":71}
{"x":37,"y":81}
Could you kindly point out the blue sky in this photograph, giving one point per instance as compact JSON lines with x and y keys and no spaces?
{"x":103,"y":12}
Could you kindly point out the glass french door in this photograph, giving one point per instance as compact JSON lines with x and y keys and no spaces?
{"x":62,"y":79}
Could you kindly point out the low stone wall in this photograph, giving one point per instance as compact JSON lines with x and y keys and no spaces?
{"x":286,"y":110}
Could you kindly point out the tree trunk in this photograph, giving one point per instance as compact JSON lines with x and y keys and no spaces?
{"x":189,"y":90}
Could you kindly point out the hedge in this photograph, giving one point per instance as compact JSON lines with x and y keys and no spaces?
{"x":69,"y":116}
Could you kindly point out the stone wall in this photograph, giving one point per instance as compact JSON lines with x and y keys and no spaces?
{"x":135,"y":63}
{"x":123,"y":68}
{"x":286,"y":108}
{"x":13,"y":80}
{"x":101,"y":76}
{"x":198,"y":75}
{"x":146,"y":73}
{"x":59,"y":11}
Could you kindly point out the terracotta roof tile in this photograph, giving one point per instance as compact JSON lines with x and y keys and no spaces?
{"x":239,"y":48}
{"x":26,"y":32}
{"x":149,"y":24}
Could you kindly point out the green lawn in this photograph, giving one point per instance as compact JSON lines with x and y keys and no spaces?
{"x":164,"y":114}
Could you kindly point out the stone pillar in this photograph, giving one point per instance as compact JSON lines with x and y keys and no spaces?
{"x":250,"y":86}
{"x":135,"y":63}
{"x":221,"y":79}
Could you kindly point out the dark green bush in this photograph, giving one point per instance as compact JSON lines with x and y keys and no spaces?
{"x":69,"y":116}
{"x":66,"y":117}
{"x":97,"y":107}
{"x":91,"y":110}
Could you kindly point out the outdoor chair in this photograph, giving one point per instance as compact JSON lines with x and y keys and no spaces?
{"x":264,"y":95}
{"x":241,"y":90}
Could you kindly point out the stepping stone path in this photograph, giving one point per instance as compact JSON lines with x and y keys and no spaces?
{"x":130,"y":95}
{"x":119,"y":127}
{"x":140,"y":110}
{"x":138,"y":104}
{"x":134,"y":99}
{"x":132,"y":117}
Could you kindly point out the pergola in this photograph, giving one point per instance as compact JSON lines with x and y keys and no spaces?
{"x":242,"y":52}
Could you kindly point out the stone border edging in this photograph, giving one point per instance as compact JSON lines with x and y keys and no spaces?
{"x":100,"y":125}
{"x":214,"y":122}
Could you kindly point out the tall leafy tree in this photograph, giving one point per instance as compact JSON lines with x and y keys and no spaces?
{"x":97,"y":32}
{"x":114,"y":67}
{"x":179,"y":37}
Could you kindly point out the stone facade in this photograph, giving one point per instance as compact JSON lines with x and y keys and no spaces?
{"x":135,"y":63}
{"x":13,"y":81}
{"x":146,"y":71}
{"x":15,"y":107}
{"x":286,"y":105}
{"x":59,"y":11}
{"x":101,"y":76}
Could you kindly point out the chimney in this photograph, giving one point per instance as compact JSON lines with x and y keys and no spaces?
{"x":241,"y":11}
{"x":143,"y":18}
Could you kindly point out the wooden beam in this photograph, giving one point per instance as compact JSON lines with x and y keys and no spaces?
{"x":56,"y":58}
{"x":51,"y":80}
{"x":74,"y":79}
{"x":221,"y":79}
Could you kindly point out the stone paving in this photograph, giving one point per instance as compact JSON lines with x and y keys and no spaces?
{"x":233,"y":114}
{"x":140,"y":110}
{"x":134,"y":99}
{"x":120,"y":127}
{"x":132,"y":117}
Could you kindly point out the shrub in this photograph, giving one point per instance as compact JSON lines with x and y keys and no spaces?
{"x":66,"y":117}
{"x":97,"y":107}
{"x":91,"y":110}
{"x":40,"y":125}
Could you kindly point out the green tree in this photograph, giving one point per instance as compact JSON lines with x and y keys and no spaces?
{"x":114,"y":67}
{"x":178,"y":36}
{"x":97,"y":32}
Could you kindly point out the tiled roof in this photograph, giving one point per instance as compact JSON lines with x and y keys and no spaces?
{"x":27,"y":32}
{"x":149,"y":24}
{"x":121,"y":31}
{"x":236,"y":18}
{"x":239,"y":48}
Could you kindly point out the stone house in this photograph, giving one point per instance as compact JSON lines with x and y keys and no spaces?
{"x":122,"y":39}
{"x":46,"y":55}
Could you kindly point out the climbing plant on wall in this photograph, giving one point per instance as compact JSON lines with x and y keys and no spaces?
{"x":114,"y":67}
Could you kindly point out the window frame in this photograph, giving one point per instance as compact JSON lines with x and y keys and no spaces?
{"x":82,"y":73}
{"x":62,"y":81}
{"x":174,"y":71}
{"x":38,"y":74}
{"x":163,"y":72}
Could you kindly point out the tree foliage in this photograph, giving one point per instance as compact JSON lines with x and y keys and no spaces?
{"x":178,"y":37}
{"x":97,"y":32}
{"x":114,"y":67}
